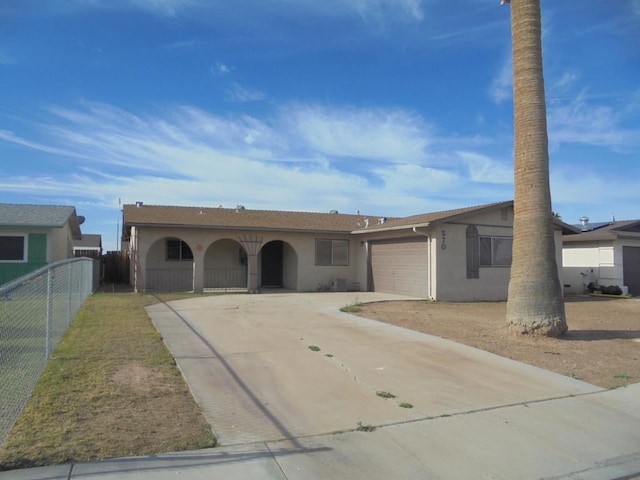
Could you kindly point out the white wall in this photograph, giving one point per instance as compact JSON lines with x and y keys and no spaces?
{"x":586,"y":262}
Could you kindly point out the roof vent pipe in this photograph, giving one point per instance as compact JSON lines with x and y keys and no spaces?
{"x":584,"y":221}
{"x":139,"y":204}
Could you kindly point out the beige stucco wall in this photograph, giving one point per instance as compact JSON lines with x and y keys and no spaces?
{"x":451,"y":282}
{"x":299,"y":270}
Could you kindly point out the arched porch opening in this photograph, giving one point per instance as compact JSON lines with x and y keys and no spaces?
{"x":225,"y":265}
{"x":169,"y":266}
{"x":278,"y":265}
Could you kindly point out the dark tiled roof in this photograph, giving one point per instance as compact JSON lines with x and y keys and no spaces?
{"x":156,"y":215}
{"x":612,"y":231}
{"x":43,"y":216}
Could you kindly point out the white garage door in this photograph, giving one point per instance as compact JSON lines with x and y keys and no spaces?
{"x":400,"y":266}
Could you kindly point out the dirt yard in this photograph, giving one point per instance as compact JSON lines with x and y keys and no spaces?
{"x":602,"y":346}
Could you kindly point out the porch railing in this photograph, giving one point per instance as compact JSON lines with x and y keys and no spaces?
{"x":235,"y":277}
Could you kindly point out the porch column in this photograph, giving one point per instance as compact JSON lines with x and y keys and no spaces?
{"x":198,"y":269}
{"x":252,"y":246}
{"x":252,"y":273}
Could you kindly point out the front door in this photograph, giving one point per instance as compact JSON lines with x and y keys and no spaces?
{"x":272,"y":258}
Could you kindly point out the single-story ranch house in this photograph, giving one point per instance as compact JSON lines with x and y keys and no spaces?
{"x":31,"y":236}
{"x":604,"y":253}
{"x":455,"y":255}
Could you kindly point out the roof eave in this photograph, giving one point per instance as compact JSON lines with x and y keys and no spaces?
{"x":393,"y":228}
{"x":231,"y":227}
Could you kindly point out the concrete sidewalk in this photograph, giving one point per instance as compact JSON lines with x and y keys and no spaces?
{"x":282,"y":410}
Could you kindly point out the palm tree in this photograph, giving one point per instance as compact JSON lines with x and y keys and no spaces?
{"x":535,"y":304}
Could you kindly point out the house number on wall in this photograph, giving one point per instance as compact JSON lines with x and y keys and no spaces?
{"x":443,"y":246}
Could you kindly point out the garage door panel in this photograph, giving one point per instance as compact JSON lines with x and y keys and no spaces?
{"x":400,"y":266}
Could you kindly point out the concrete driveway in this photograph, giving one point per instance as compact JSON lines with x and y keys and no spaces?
{"x":475,"y":415}
{"x":283,"y":411}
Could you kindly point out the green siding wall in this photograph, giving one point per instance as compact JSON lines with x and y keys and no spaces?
{"x":36,"y":258}
{"x":37,"y":248}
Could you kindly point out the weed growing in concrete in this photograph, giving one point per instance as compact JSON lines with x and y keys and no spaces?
{"x":314,"y":348}
{"x":385,"y":394}
{"x":354,"y":307}
{"x":405,"y":405}
{"x":365,"y":428}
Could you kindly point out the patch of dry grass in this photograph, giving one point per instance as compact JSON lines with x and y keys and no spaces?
{"x":111,"y":389}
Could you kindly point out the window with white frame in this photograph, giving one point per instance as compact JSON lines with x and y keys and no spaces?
{"x":495,"y":251}
{"x":332,"y":252}
{"x":13,"y":248}
{"x":178,"y":250}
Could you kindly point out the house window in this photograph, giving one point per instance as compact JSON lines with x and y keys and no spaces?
{"x":495,"y":251}
{"x":473,"y":252}
{"x":332,"y":252}
{"x":178,"y":250}
{"x":12,"y":248}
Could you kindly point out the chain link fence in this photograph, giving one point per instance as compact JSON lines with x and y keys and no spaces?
{"x":35,"y":311}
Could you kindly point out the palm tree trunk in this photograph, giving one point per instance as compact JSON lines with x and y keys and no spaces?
{"x":535,"y":304}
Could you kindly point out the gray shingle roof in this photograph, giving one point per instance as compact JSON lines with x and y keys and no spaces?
{"x":90,"y":240}
{"x":42,"y":216}
{"x":612,"y":231}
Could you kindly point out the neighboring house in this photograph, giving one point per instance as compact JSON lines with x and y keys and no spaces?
{"x":604,"y":254}
{"x":89,"y":245}
{"x":32,"y":236}
{"x":456,"y":255}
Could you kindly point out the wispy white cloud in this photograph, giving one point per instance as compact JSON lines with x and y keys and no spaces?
{"x":501,"y":88}
{"x":484,"y":169}
{"x":566,"y":80}
{"x":163,"y":7}
{"x":238,"y":93}
{"x":584,"y":122}
{"x":220,"y":69}
{"x":378,"y":9}
{"x":304,"y":157}
{"x":369,"y":133}
{"x":11,"y":137}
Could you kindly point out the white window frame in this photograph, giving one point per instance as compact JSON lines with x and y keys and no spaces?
{"x":492,"y":251}
{"x":334,"y":262}
{"x":25,"y":247}
{"x":182,"y":245}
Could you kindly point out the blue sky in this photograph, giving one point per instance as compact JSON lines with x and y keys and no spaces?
{"x":389,"y":107}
